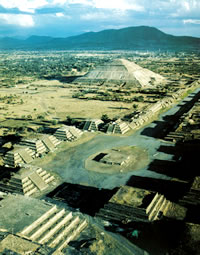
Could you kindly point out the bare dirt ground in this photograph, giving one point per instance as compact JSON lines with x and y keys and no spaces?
{"x":54,"y":99}
{"x":63,"y":147}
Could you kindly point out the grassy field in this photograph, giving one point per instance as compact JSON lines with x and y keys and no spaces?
{"x":53,"y":99}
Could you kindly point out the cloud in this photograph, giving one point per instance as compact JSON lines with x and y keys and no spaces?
{"x":104,"y":4}
{"x":120,"y":4}
{"x":95,"y":16}
{"x":22,"y":20}
{"x":59,"y":14}
{"x":110,"y":16}
{"x":23,"y":5}
{"x":59,"y":2}
{"x":187,"y":8}
{"x":192,"y":21}
{"x":61,"y":17}
{"x":71,"y":2}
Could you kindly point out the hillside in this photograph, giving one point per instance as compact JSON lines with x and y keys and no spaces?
{"x":131,"y":38}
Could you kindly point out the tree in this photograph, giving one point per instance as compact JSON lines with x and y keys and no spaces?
{"x":68,"y":120}
{"x":140,"y":99}
{"x":54,"y":122}
{"x":135,"y":106}
{"x":29,"y":117}
{"x":105,"y":118}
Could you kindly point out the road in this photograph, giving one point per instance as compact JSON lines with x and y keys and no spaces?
{"x":73,"y":170}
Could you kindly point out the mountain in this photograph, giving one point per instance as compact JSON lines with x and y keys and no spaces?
{"x":131,"y":38}
{"x":34,"y":39}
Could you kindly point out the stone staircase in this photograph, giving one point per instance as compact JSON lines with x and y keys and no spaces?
{"x":29,"y":187}
{"x":50,"y":142}
{"x":121,"y":128}
{"x":158,"y":206}
{"x":56,"y":228}
{"x":47,"y":177}
{"x":54,"y":140}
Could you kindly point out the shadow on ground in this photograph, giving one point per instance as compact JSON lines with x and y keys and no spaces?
{"x":168,"y":122}
{"x":87,"y":199}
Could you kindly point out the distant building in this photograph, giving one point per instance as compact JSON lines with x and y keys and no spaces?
{"x":68,"y":133}
{"x":118,"y":127}
{"x":92,"y":125}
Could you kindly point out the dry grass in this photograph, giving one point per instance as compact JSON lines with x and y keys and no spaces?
{"x":54,"y":100}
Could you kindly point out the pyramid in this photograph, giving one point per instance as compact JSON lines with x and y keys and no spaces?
{"x":18,"y":155}
{"x":68,"y":133}
{"x":122,"y":71}
{"x":92,"y":125}
{"x":34,"y":144}
{"x":27,"y":181}
{"x":118,"y":127}
{"x":135,"y":204}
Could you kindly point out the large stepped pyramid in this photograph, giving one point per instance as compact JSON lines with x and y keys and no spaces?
{"x":55,"y":228}
{"x":122,"y":71}
{"x":27,"y":181}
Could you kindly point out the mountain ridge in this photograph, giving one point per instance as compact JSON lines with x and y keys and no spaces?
{"x":129,"y":38}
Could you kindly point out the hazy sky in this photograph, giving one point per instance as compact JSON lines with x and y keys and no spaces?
{"x":62,"y":18}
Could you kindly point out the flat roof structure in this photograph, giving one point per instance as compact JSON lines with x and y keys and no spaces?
{"x":130,"y":196}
